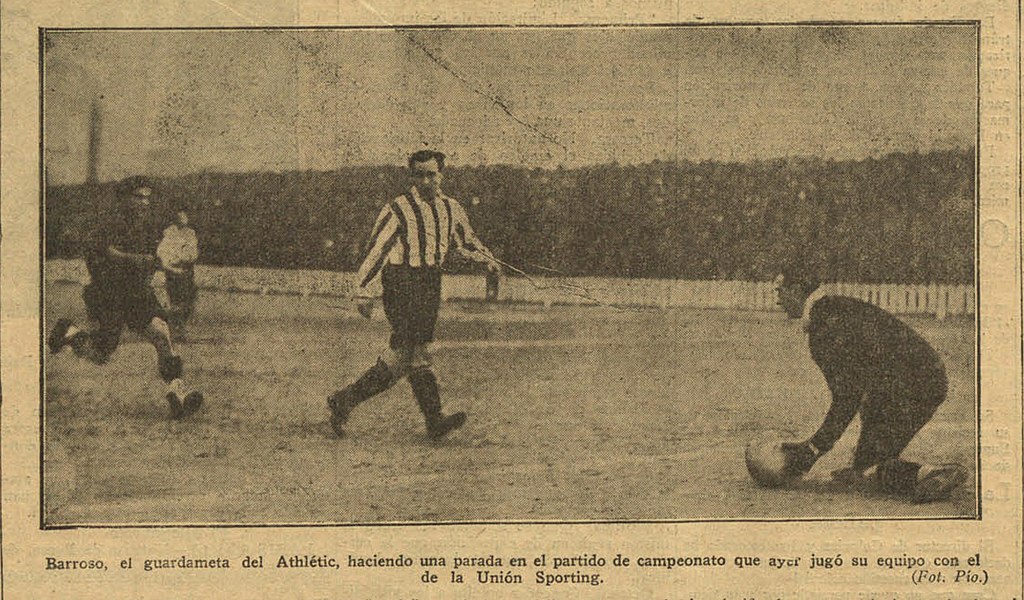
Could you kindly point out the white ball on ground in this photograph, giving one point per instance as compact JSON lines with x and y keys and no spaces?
{"x":766,"y":462}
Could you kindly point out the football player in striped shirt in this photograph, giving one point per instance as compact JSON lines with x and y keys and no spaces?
{"x":408,"y":245}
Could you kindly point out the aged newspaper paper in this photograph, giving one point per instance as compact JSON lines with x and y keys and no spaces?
{"x":432,"y":300}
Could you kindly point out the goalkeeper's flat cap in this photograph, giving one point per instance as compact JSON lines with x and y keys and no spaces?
{"x":137,"y":186}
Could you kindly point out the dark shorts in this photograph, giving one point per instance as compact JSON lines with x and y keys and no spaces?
{"x":182,"y":292}
{"x":114,"y":308}
{"x":412,"y":297}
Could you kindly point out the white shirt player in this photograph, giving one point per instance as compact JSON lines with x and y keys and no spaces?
{"x":179,"y":248}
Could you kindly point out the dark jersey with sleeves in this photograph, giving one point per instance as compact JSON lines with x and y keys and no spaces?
{"x":125,"y":234}
{"x":874,"y":363}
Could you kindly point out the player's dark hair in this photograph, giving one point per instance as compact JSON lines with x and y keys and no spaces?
{"x":797,"y":274}
{"x":421,"y":156}
{"x":128,"y":186}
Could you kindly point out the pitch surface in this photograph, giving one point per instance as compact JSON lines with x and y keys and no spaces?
{"x":575,"y":414}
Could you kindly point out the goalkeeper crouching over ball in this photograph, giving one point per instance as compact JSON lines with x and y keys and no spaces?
{"x":878,"y":366}
{"x":408,"y":245}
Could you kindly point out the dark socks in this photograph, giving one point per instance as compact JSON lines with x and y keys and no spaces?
{"x":424,"y":387}
{"x":375,"y":380}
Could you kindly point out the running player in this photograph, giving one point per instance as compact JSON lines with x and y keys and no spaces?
{"x":120,"y":260}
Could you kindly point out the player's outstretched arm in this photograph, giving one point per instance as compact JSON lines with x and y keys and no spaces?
{"x":483,"y":256}
{"x":845,"y":404}
{"x":467,"y":243}
{"x":143,"y":261}
{"x":365,"y":307}
{"x":382,"y":239}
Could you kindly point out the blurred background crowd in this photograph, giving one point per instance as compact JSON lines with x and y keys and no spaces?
{"x":898,"y":218}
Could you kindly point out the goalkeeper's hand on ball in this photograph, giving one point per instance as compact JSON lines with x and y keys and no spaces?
{"x":800,"y":457}
{"x":365,"y":307}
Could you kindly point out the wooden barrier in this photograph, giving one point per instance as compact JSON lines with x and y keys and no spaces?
{"x":928,"y":299}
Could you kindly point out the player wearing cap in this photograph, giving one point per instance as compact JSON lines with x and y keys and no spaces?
{"x":878,"y":366}
{"x":119,"y":258}
{"x":408,"y":245}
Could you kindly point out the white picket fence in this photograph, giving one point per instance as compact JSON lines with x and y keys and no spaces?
{"x":934,"y":299}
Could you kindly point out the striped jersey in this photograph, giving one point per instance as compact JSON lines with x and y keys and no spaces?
{"x":415,"y":232}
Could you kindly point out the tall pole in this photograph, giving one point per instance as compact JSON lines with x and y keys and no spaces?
{"x":95,"y":126}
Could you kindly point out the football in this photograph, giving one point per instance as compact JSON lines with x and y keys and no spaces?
{"x":766,"y":463}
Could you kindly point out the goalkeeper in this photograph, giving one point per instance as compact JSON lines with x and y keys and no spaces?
{"x":876,"y":365}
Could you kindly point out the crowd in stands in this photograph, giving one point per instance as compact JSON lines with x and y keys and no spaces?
{"x":906,"y":217}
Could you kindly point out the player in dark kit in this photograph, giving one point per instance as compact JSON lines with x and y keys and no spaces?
{"x":119,"y":257}
{"x":408,"y":246}
{"x":878,"y":366}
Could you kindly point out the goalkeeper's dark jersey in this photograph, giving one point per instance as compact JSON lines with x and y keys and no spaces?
{"x":127,"y":235}
{"x":873,"y":362}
